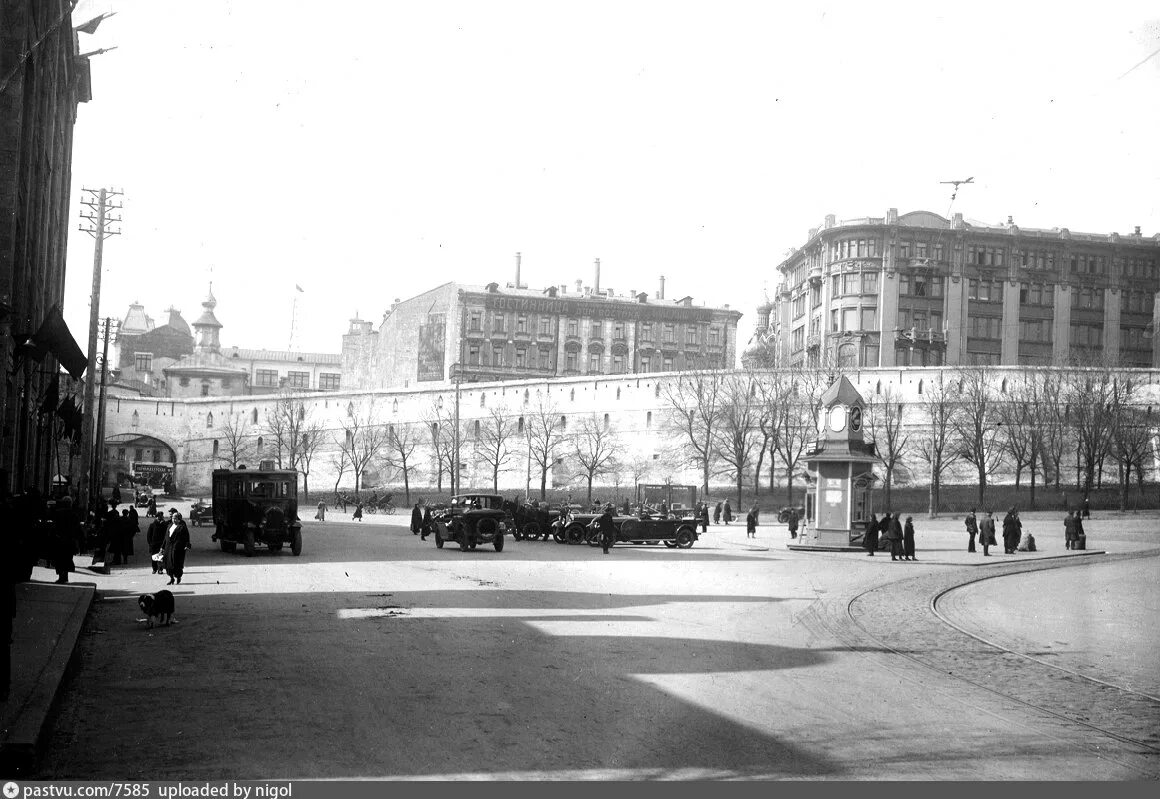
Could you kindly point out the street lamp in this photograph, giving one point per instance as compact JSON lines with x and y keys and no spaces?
{"x":456,"y":376}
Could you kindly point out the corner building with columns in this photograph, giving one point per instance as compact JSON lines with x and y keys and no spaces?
{"x":917,"y":289}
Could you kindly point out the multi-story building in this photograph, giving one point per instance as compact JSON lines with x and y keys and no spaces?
{"x":142,"y":350}
{"x":920,"y":290}
{"x":493,"y":333}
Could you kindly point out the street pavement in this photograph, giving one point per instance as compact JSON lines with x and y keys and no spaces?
{"x":376,"y":655}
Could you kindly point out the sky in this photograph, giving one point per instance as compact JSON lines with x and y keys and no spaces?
{"x":368,"y":150}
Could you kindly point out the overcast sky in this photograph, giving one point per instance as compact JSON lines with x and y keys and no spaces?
{"x":369,"y":150}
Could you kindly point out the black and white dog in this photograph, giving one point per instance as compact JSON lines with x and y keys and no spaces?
{"x":158,"y":605}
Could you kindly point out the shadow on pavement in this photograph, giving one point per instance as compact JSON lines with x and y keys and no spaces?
{"x":292,"y":688}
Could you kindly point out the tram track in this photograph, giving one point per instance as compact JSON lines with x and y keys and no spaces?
{"x":901,"y":619}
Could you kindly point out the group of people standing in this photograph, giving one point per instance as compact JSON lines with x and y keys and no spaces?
{"x":1014,"y":539}
{"x":890,"y":528}
{"x":421,"y":519}
{"x":168,"y":541}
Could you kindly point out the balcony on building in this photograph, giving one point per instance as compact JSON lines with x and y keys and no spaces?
{"x":925,"y":338}
{"x":813,"y":341}
{"x":815,"y":275}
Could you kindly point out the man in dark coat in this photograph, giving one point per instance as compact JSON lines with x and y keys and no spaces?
{"x":972,"y":529}
{"x":792,"y":522}
{"x":116,"y":496}
{"x":727,"y":514}
{"x":1069,"y":530}
{"x":1080,"y":536}
{"x":987,"y":533}
{"x":427,"y":525}
{"x":176,"y":545}
{"x":703,"y":516}
{"x":607,"y":528}
{"x":717,"y":513}
{"x":1012,"y":531}
{"x":67,"y":538}
{"x":893,"y":529}
{"x":417,"y":517}
{"x":870,"y":540}
{"x":1087,"y":508}
{"x":751,"y":522}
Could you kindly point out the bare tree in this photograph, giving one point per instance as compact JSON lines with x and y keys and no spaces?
{"x":1131,"y":437}
{"x":440,"y":427}
{"x":285,"y":422}
{"x":399,"y":451}
{"x":936,"y":447}
{"x":340,"y":462}
{"x":239,"y":445}
{"x":593,"y":445}
{"x":795,"y":398}
{"x":693,"y":403}
{"x":495,"y":433}
{"x":737,"y":426}
{"x":885,"y":425}
{"x":310,"y":441}
{"x":1024,"y":418}
{"x":1091,"y":395}
{"x":976,"y":425}
{"x":363,"y":437}
{"x":545,"y":434}
{"x":1055,"y":419}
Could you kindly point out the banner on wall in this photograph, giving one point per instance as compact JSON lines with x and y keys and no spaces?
{"x":432,"y":346}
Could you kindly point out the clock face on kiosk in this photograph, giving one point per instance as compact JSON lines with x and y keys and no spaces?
{"x":838,"y":418}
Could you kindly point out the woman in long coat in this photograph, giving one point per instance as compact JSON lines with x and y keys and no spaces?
{"x":893,"y":533}
{"x":870,"y":540}
{"x":155,"y":538}
{"x":717,"y":514}
{"x":176,"y":545}
{"x":908,"y":540}
{"x":1012,"y":531}
{"x":727,"y":514}
{"x":417,"y":517}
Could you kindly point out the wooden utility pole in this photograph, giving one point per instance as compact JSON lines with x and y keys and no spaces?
{"x":99,"y":217}
{"x":98,"y":454}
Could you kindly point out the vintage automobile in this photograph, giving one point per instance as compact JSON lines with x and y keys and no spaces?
{"x":533,"y":522}
{"x":783,"y":514}
{"x":256,"y":506}
{"x":200,"y":513}
{"x":472,"y":519}
{"x":144,"y":494}
{"x":643,"y":528}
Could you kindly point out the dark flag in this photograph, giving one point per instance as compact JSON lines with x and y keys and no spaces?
{"x":51,"y":396}
{"x":54,"y":336}
{"x":72,"y":417}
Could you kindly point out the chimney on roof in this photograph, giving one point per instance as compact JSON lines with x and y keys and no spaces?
{"x":831,"y":220}
{"x":563,"y":288}
{"x":579,"y":286}
{"x":1137,"y":233}
{"x":596,"y":284}
{"x":518,"y":271}
{"x":1010,"y":220}
{"x":661,"y":293}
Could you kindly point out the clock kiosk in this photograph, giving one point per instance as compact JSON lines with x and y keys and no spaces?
{"x":840,"y":491}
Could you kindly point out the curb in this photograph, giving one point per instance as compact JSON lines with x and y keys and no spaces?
{"x":46,"y":628}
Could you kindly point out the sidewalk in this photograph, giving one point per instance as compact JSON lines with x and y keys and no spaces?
{"x":48,"y":622}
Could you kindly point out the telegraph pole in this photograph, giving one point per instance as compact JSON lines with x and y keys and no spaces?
{"x":99,"y":202}
{"x":98,"y":453}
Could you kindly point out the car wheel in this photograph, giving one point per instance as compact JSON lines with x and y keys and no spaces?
{"x":296,"y":543}
{"x":498,"y":544}
{"x":471,"y":546}
{"x":532,"y":531}
{"x":575,"y":534}
{"x":783,"y":517}
{"x":684,"y":538}
{"x":228,"y":546}
{"x":670,"y":544}
{"x":438,"y":538}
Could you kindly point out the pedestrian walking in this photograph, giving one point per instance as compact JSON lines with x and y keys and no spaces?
{"x":908,"y":540}
{"x":1069,"y":535}
{"x":176,"y":545}
{"x":987,"y":533}
{"x":321,"y":514}
{"x":893,"y":532}
{"x":67,"y":539}
{"x":972,"y":530}
{"x":151,"y":508}
{"x":751,"y":523}
{"x":727,"y":514}
{"x":358,"y":512}
{"x":417,"y":517}
{"x":792,"y":522}
{"x":1087,"y":508}
{"x":717,"y":514}
{"x":155,"y":540}
{"x":703,"y":515}
{"x":870,"y":540}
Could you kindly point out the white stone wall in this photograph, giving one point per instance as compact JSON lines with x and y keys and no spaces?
{"x":634,"y":407}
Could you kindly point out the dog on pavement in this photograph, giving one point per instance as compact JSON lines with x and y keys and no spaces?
{"x":160,"y":606}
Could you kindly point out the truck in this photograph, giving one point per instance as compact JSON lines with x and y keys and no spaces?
{"x":256,"y":507}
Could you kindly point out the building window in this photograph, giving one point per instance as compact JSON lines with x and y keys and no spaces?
{"x":205,"y":389}
{"x":618,"y":330}
{"x":209,"y":420}
{"x":545,"y":325}
{"x":521,"y":357}
{"x":215,"y":447}
{"x":267,"y":378}
{"x":691,"y":334}
{"x":799,"y":339}
{"x":851,"y":283}
{"x":473,"y":355}
{"x":570,"y":362}
{"x":329,"y":382}
{"x":143,"y":361}
{"x":668,"y":333}
{"x":816,"y":295}
{"x":618,"y":367}
{"x":667,"y":364}
{"x":573,"y":327}
{"x":869,"y":319}
{"x":646,"y":331}
{"x":597,"y":330}
{"x":184,"y":382}
{"x":648,"y":421}
{"x":645,"y":363}
{"x":476,"y":320}
{"x":497,"y":356}
{"x":870,"y":355}
{"x":499,"y":323}
{"x":521,"y":324}
{"x":298,"y":379}
{"x":714,"y":336}
{"x":869,"y":285}
{"x":227,"y":383}
{"x":593,"y":364}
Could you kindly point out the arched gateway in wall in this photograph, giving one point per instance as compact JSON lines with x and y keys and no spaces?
{"x":129,"y":454}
